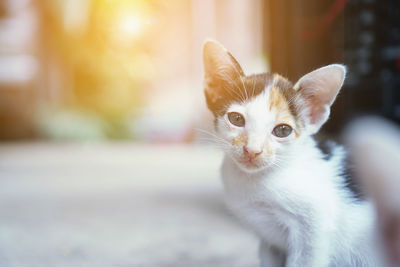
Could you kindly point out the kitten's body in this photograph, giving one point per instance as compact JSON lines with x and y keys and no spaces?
{"x":295,"y":213}
{"x":275,"y":177}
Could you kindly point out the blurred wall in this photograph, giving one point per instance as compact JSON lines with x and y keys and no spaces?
{"x":18,"y":68}
{"x":100,"y":69}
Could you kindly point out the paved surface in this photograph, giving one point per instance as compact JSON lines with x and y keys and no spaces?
{"x":117,"y":205}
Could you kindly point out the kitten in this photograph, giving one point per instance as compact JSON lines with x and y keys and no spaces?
{"x":276,"y":179}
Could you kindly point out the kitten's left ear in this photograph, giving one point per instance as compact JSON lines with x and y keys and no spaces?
{"x":319,"y":89}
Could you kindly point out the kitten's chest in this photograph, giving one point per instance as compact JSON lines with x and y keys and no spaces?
{"x":253,"y":204}
{"x":269,"y":222}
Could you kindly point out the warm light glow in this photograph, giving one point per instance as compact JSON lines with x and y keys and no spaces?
{"x":131,"y":25}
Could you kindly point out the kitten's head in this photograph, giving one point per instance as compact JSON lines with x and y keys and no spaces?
{"x":259,"y":118}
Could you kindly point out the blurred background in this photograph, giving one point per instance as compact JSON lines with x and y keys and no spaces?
{"x":131,"y":69}
{"x":101,"y":158}
{"x":126,"y":69}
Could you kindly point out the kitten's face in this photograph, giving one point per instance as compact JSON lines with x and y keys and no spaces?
{"x":259,"y":130}
{"x":259,"y":118}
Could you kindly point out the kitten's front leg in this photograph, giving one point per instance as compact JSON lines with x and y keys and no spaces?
{"x":270,"y":256}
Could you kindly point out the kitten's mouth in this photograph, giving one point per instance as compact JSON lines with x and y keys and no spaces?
{"x":249,"y":163}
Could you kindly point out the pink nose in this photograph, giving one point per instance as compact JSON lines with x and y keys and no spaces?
{"x":251,"y":153}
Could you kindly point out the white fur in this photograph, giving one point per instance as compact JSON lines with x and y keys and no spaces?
{"x":293,"y":199}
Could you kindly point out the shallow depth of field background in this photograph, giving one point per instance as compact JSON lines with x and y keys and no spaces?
{"x":86,"y":70}
{"x":105,"y":155}
{"x":103,"y":159}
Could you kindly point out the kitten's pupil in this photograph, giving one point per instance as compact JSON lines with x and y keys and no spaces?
{"x":282,"y":130}
{"x":236,"y":119}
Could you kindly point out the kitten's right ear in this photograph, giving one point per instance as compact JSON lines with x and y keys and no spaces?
{"x":221,"y":71}
{"x":319,"y":89}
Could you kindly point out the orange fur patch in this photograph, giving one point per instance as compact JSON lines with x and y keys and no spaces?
{"x":239,"y":140}
{"x":268,"y":150}
{"x":278,"y":102}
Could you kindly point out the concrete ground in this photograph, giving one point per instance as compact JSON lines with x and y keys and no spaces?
{"x":116,"y":204}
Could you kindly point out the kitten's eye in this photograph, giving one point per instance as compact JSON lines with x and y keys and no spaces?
{"x":282,"y":130}
{"x":236,"y":119}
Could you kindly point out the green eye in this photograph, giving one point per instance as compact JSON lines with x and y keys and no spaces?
{"x":282,"y":130}
{"x":236,"y":119}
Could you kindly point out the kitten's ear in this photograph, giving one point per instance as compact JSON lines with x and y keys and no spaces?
{"x":319,"y":89}
{"x":220,"y":70}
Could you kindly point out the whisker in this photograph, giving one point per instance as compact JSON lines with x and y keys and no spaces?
{"x":254,"y":86}
{"x":213,"y":135}
{"x":241,"y":79}
{"x":230,"y":90}
{"x":233,"y":83}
